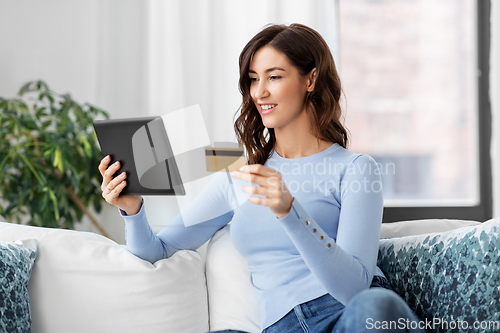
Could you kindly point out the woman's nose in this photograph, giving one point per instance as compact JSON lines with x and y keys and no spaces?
{"x":261,"y":90}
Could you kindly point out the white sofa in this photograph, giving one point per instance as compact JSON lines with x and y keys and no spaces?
{"x":84,"y":282}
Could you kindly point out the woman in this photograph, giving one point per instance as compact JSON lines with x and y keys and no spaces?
{"x":310,"y":229}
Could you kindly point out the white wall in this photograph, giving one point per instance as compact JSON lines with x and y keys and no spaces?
{"x":495,"y":103}
{"x":52,"y":40}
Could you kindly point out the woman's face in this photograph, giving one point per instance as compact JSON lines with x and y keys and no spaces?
{"x":277,"y":89}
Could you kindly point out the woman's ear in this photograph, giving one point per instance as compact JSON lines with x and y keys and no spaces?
{"x":311,"y":80}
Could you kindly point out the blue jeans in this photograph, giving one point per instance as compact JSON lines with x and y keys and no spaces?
{"x":378,"y":309}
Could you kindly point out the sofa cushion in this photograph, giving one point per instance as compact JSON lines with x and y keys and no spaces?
{"x":452,"y":276}
{"x":84,"y":282}
{"x":419,"y":227}
{"x":232,"y":302}
{"x":16,"y":263}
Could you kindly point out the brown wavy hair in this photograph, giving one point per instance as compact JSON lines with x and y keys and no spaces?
{"x":306,"y":50}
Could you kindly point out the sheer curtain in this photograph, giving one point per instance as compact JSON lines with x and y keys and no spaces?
{"x":160,"y":56}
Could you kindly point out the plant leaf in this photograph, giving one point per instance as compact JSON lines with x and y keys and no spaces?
{"x":44,"y":201}
{"x":58,"y":162}
{"x":86,"y":144}
{"x":30,"y":166}
{"x":25,"y":88}
{"x":54,"y":202}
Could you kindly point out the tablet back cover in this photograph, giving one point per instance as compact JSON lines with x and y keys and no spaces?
{"x":116,"y":139}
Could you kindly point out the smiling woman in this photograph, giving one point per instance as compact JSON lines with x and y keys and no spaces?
{"x":310,"y":240}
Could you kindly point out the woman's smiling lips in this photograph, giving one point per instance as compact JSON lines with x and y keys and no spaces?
{"x":267,"y":108}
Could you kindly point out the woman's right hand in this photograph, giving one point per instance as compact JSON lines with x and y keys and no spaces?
{"x":112,"y":187}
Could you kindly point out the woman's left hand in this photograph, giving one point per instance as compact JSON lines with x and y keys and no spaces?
{"x":272,"y":187}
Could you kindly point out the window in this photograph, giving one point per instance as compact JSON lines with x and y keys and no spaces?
{"x":415,"y":76}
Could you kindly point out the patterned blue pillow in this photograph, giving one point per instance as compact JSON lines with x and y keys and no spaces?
{"x":450,"y":279}
{"x":16,"y":263}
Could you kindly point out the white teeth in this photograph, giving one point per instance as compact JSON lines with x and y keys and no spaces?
{"x":268,"y":106}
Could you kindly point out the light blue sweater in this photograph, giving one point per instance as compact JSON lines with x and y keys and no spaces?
{"x":328,"y":242}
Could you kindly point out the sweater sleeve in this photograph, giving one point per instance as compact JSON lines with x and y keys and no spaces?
{"x":213,"y":201}
{"x":345,"y":265}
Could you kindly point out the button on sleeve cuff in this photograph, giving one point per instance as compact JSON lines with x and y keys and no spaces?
{"x":299,"y":223}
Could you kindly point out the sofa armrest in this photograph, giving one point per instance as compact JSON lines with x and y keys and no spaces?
{"x":84,"y":282}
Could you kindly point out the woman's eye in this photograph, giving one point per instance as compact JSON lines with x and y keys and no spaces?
{"x":274,"y":77}
{"x":253,"y":79}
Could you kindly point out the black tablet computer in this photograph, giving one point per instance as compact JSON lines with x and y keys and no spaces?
{"x":143,"y":149}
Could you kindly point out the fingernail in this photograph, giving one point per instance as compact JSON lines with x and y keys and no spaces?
{"x":107,"y":158}
{"x":122,"y":174}
{"x":234,"y":173}
{"x":116,"y":163}
{"x":242,"y":168}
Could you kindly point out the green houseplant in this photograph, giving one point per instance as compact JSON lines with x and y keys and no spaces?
{"x":48,"y":158}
